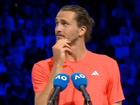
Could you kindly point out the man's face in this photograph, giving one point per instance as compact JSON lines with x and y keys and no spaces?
{"x":66,"y":26}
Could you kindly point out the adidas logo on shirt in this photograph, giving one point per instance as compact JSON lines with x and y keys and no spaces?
{"x":95,"y":73}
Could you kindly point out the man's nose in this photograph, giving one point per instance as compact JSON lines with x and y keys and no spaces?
{"x":58,"y":28}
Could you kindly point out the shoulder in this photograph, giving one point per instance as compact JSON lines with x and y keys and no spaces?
{"x":42,"y":67}
{"x":44,"y":63}
{"x":103,"y":59}
{"x":40,"y":74}
{"x":109,"y":64}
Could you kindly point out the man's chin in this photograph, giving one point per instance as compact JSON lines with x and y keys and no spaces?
{"x":59,"y":38}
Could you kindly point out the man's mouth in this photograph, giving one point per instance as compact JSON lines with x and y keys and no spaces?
{"x":60,"y":36}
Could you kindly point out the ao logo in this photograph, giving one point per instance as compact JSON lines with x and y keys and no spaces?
{"x":62,"y":77}
{"x":78,"y":76}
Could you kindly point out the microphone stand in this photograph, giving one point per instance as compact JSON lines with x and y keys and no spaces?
{"x":87,"y":102}
{"x":55,"y":101}
{"x":54,"y":98}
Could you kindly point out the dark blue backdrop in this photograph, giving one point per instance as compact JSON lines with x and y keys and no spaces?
{"x":27,"y":35}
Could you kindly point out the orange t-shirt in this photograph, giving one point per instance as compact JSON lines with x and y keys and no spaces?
{"x":102,"y":72}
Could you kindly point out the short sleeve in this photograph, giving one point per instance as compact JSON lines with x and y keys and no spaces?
{"x":40,"y":76}
{"x":115,"y":93}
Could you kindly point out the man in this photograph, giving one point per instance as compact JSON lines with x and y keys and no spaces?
{"x":73,"y":27}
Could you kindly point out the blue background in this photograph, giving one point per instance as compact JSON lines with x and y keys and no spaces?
{"x":27,"y":35}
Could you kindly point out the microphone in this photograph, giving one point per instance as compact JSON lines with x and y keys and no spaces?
{"x":60,"y":82}
{"x":80,"y":82}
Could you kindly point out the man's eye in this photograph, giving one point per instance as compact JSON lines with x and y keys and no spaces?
{"x":65,"y":24}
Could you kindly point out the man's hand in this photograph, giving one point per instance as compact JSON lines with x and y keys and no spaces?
{"x":59,"y":51}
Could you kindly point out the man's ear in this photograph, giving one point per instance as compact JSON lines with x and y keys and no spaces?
{"x":82,"y":30}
